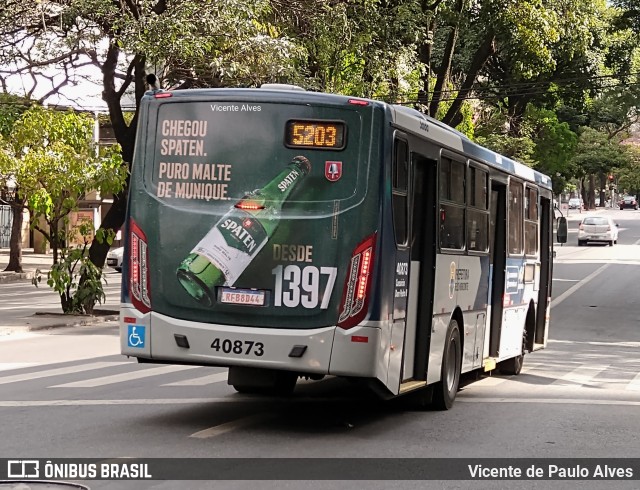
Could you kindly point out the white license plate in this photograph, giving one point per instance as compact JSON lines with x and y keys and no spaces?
{"x":242,"y":297}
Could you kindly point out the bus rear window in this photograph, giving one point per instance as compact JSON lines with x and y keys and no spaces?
{"x":207,"y":152}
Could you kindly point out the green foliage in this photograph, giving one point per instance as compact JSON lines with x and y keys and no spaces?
{"x":555,"y":146}
{"x":78,"y":282}
{"x":52,"y":157}
{"x":11,"y":108}
{"x":520,"y":149}
{"x":596,"y":153}
{"x":628,"y":175}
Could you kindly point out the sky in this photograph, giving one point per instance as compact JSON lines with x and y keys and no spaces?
{"x":83,"y":93}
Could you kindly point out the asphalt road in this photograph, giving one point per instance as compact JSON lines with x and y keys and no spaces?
{"x":579,"y":398}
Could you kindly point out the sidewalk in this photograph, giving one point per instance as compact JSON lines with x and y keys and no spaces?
{"x":31,"y":261}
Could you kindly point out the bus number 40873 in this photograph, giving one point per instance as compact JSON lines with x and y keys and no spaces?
{"x":246,"y":347}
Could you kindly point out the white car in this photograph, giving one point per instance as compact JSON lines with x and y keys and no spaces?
{"x":597,"y":229}
{"x":575,"y":203}
{"x":114,"y":258}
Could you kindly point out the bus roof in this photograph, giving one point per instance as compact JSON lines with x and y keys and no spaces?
{"x":404,"y":117}
{"x":410,"y":120}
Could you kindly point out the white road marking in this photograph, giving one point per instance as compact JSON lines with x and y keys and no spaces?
{"x":58,"y":371}
{"x":120,"y":378}
{"x":168,"y":401}
{"x":491,"y":381}
{"x":134,"y":401}
{"x":580,"y":375}
{"x":204,"y":380}
{"x":575,"y":287}
{"x":551,"y":401}
{"x":8,"y":366}
{"x":233,"y":425}
{"x":634,"y":384}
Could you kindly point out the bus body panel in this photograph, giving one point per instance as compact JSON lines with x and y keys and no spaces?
{"x":462,"y":283}
{"x":357,"y":352}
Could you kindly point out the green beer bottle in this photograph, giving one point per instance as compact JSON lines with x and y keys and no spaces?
{"x":230,"y":246}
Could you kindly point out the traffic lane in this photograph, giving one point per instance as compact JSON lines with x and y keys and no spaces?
{"x":567,"y":275}
{"x":604,"y":308}
{"x":327,"y":429}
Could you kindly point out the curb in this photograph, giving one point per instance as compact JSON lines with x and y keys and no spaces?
{"x":7,"y":277}
{"x":68,"y":321}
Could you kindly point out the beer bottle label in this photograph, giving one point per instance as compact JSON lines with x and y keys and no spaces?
{"x":232,"y":244}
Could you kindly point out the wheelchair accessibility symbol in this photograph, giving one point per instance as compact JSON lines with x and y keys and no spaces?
{"x":136,"y":336}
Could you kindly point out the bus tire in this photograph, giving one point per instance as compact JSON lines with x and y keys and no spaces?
{"x":262,"y":381}
{"x":444,"y":392}
{"x":514,"y":365}
{"x":284,"y":384}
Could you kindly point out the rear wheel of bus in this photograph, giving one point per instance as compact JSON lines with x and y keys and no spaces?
{"x":444,"y":392}
{"x":262,"y":381}
{"x":514,"y":365}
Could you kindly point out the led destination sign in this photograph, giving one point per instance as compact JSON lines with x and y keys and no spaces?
{"x":315,"y":134}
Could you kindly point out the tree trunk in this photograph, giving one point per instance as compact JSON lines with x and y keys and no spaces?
{"x":591,"y":195}
{"x":424,"y":55}
{"x":482,"y":54}
{"x":15,"y":242}
{"x":447,"y":57}
{"x":54,"y":239}
{"x":114,"y":219}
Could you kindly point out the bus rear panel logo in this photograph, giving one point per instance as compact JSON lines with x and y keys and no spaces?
{"x":332,"y":170}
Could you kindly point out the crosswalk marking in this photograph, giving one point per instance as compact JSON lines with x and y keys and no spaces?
{"x":621,"y":375}
{"x":551,"y":401}
{"x":9,"y":366}
{"x":118,"y":378}
{"x":581,"y":375}
{"x":58,"y":371}
{"x":634,"y":384}
{"x":134,"y":401}
{"x":490,"y":381}
{"x":203,"y":380}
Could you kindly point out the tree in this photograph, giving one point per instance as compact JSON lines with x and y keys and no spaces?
{"x":597,"y":154}
{"x":188,"y":44}
{"x":52,"y":157}
{"x":11,"y":108}
{"x":629,"y":174}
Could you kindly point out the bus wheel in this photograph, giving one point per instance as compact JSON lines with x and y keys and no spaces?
{"x":513,"y":366}
{"x":284,"y":384}
{"x":445,"y":391}
{"x":262,"y":381}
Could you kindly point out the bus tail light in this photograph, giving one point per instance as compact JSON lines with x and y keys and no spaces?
{"x":139,"y":269}
{"x":355,"y":296}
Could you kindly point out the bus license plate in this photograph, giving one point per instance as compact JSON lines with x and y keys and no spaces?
{"x":242,"y":297}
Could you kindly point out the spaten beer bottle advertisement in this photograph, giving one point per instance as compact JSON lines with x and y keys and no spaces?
{"x":237,"y":238}
{"x":252,"y":207}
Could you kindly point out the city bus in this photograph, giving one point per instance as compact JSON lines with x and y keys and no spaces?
{"x":284,"y":233}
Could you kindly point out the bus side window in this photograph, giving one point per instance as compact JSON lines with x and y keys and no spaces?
{"x":478,"y":210}
{"x":452,"y":200}
{"x":399,"y":192}
{"x":531,"y":222}
{"x":515,"y":217}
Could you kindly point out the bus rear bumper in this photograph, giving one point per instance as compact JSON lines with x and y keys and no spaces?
{"x":328,"y":350}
